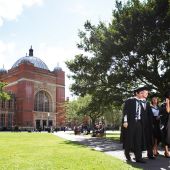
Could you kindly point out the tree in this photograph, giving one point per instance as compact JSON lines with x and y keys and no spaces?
{"x":85,"y":106}
{"x":93,"y":108}
{"x":113,"y":116}
{"x":3,"y":95}
{"x":72,"y":108}
{"x":133,"y":49}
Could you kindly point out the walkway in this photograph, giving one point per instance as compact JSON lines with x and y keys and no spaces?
{"x":115,"y":149}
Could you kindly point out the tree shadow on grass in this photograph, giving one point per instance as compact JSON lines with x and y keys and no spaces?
{"x":103,"y":144}
{"x":100,"y":144}
{"x":74,"y":143}
{"x":106,"y":145}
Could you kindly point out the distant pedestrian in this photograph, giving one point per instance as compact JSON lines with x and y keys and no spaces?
{"x":64,"y":128}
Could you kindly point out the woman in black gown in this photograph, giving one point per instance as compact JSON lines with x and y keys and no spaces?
{"x":156,"y":122}
{"x":165,"y":123}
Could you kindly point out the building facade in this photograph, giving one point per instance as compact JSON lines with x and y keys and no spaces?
{"x":39,"y":93}
{"x":7,"y":112}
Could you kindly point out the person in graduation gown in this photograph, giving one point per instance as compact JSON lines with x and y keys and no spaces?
{"x":156,"y":122}
{"x":165,"y":123}
{"x":132,"y":127}
{"x":148,"y":128}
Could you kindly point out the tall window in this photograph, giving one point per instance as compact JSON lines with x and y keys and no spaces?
{"x":9,"y":119}
{"x":42,"y":102}
{"x":2,"y":119}
{"x":3,"y":104}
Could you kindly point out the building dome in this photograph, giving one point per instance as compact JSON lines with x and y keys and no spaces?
{"x":57,"y":68}
{"x":37,"y":62}
{"x":3,"y":70}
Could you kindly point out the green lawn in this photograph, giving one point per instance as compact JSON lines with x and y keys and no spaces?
{"x":44,"y":151}
{"x":114,"y":136}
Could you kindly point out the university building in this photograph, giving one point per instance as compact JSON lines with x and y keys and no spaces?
{"x":38,"y":95}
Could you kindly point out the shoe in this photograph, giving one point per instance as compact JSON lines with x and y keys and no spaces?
{"x":156,"y":154}
{"x":151,"y":157}
{"x":127,"y":155}
{"x":140,"y":160}
{"x":166,"y":155}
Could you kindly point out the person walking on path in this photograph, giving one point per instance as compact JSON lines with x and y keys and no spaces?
{"x":133,"y":126}
{"x":165,"y":123}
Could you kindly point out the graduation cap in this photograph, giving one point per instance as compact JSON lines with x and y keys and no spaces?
{"x":139,"y":89}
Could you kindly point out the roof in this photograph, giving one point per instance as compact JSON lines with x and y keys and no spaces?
{"x":34,"y":60}
{"x":37,"y":62}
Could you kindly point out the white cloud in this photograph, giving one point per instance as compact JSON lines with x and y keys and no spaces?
{"x":52,"y":55}
{"x":11,"y":9}
{"x":7,"y":52}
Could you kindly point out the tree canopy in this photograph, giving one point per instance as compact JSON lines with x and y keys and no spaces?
{"x":3,"y":95}
{"x":84,"y":106}
{"x":133,"y":49}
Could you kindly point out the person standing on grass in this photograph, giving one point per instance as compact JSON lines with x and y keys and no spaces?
{"x":156,"y":122}
{"x":165,"y":123}
{"x":148,"y":128}
{"x":133,"y":126}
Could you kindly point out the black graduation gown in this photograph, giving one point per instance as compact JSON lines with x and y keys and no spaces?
{"x":165,"y":125}
{"x":127,"y":134}
{"x":148,"y":126}
{"x":156,"y":125}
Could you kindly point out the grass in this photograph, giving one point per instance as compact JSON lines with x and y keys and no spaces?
{"x":115,"y":135}
{"x":44,"y":151}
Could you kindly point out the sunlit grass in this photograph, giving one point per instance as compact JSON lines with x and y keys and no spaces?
{"x":115,"y":135}
{"x":44,"y":151}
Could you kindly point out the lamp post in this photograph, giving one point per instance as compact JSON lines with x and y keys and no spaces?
{"x":48,"y":115}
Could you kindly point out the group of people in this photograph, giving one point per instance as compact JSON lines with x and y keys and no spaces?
{"x":85,"y":129}
{"x":145,"y":125}
{"x":99,"y":130}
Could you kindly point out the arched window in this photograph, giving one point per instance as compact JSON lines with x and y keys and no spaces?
{"x":42,"y":102}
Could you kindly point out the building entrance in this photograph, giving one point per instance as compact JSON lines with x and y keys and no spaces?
{"x":50,"y":123}
{"x":38,"y":125}
{"x":44,"y":124}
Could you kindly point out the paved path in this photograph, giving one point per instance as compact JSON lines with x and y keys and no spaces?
{"x":115,"y":149}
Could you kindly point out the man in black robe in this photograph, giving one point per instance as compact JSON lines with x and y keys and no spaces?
{"x":133,"y":126}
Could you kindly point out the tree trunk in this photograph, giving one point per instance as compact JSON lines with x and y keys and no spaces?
{"x":93,"y":126}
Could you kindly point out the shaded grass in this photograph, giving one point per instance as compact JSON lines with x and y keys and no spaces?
{"x":44,"y":151}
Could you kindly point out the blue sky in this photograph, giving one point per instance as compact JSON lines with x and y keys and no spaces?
{"x":50,"y":26}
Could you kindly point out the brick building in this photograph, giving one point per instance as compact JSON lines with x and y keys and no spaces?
{"x":7,"y":112}
{"x":39,"y":94}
